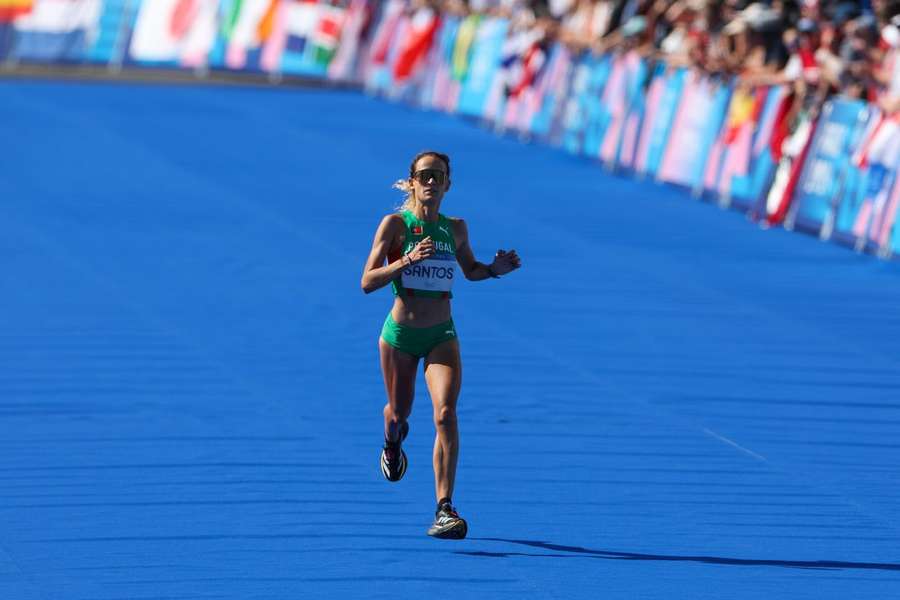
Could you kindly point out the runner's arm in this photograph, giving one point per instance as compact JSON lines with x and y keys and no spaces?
{"x":503,"y":262}
{"x":376,"y":274}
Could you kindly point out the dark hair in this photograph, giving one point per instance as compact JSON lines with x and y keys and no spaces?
{"x":423,"y":154}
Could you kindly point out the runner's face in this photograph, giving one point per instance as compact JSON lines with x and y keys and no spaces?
{"x":430,"y":180}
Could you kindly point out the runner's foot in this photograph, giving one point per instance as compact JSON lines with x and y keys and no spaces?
{"x":393,"y":458}
{"x":448,"y":525}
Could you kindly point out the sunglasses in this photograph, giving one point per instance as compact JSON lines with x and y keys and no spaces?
{"x":423,"y":176}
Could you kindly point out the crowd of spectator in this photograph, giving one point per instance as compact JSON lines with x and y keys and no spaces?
{"x":822,"y":47}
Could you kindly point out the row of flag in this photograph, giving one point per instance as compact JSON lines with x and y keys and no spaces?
{"x":763,"y":150}
{"x":278,"y":36}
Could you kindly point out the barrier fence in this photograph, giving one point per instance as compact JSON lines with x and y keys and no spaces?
{"x":829,"y":170}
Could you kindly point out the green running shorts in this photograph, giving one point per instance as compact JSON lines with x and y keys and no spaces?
{"x":415,"y":340}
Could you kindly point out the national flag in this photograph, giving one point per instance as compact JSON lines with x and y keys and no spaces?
{"x":251,"y":28}
{"x":275,"y":38}
{"x":342,"y":63}
{"x":182,"y":31}
{"x":730,"y":155}
{"x":423,"y":27}
{"x":768,"y":119}
{"x":740,"y":112}
{"x":327,"y":33}
{"x":417,"y":230}
{"x":781,"y":127}
{"x":183,"y":15}
{"x":780,"y":196}
{"x":10,"y":9}
{"x":301,"y":18}
{"x":52,"y":29}
{"x":230,"y":17}
{"x":392,"y":13}
{"x":553,"y":88}
{"x":512,"y":58}
{"x":462,"y":50}
{"x":53,"y":16}
{"x":267,"y":23}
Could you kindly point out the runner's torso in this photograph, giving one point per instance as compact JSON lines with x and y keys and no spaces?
{"x":423,"y":290}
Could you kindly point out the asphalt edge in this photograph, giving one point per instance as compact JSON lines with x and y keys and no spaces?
{"x":164,"y":76}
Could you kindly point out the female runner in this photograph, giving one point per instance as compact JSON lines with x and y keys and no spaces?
{"x":421,"y":246}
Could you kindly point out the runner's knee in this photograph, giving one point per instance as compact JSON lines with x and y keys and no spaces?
{"x":394,"y":416}
{"x":445,"y":417}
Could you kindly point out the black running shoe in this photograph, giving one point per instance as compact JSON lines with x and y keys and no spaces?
{"x":448,"y":525}
{"x":393,"y":458}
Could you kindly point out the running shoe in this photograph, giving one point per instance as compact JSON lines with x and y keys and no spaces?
{"x":393,"y":458}
{"x":448,"y":525}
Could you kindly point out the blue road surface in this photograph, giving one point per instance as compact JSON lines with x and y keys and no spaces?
{"x":664,"y":402}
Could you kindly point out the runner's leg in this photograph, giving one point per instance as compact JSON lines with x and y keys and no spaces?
{"x":443,"y":375}
{"x":399,"y":370}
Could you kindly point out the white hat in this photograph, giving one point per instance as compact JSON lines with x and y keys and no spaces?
{"x":735,"y":26}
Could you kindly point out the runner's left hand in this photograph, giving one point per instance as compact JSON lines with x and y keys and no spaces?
{"x":504,"y":262}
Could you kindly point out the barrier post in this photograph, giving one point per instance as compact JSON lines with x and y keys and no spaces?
{"x":8,"y":41}
{"x":121,"y":46}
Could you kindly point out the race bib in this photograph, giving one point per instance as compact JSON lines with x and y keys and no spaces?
{"x":433,"y":274}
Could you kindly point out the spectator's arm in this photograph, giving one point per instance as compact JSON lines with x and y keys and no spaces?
{"x":889,"y":104}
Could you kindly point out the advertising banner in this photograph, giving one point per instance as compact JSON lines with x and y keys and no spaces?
{"x":583,"y":106}
{"x":115,"y":24}
{"x":554,"y":88}
{"x":663,"y":98}
{"x":697,"y":123}
{"x":822,"y":179}
{"x":619,"y":148}
{"x":867,"y":216}
{"x":590,"y":109}
{"x":605,"y":121}
{"x":891,"y":245}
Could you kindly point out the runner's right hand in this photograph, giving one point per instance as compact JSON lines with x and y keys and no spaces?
{"x":422,"y":250}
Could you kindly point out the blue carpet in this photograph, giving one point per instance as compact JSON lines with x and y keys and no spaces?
{"x":664,"y":402}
